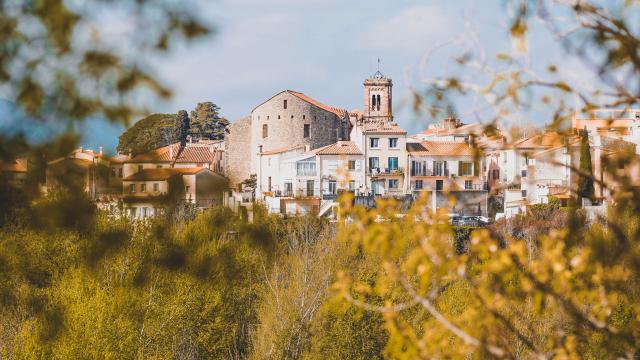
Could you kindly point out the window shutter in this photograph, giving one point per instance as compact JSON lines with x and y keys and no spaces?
{"x":476,"y":168}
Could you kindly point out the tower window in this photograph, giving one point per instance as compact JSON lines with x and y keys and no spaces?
{"x":265,"y":131}
{"x":373,"y":102}
{"x":378,"y":102}
{"x":304,"y":117}
{"x":292,"y":116}
{"x":285,"y":104}
{"x":306,"y":130}
{"x":278,"y":116}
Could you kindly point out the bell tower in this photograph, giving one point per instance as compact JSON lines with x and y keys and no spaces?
{"x":377,"y":98}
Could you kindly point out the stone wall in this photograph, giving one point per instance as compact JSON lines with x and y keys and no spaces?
{"x":238,"y":151}
{"x":285,"y":127}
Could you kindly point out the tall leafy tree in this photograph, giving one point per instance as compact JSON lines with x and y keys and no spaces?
{"x":206,"y":122}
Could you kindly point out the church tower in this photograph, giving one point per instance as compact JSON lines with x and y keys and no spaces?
{"x":377,"y":98}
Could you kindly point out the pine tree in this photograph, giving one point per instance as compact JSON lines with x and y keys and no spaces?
{"x":585,"y":179}
{"x":206,"y":122}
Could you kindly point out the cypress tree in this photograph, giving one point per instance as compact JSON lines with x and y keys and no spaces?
{"x":585,"y":179}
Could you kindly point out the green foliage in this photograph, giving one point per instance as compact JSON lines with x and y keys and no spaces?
{"x":206,"y":122}
{"x":585,"y":176}
{"x":151,"y":132}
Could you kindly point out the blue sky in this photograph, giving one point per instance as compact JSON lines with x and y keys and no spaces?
{"x":324,"y":48}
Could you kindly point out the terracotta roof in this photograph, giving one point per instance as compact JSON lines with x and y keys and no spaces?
{"x":84,"y":163}
{"x":281,"y":150}
{"x":548,"y":139}
{"x":162,"y":174}
{"x":436,"y":148}
{"x":383,"y":128}
{"x":340,"y":148}
{"x":14,"y":166}
{"x":342,"y":113}
{"x":191,"y":153}
{"x":118,"y":159}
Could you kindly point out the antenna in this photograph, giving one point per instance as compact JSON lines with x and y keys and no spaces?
{"x":378,"y":64}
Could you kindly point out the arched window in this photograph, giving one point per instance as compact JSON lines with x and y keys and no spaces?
{"x":378,"y":102}
{"x":373,"y":102}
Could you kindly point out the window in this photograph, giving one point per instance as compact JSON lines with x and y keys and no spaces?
{"x":278,"y":116}
{"x":468,"y":184}
{"x":139,"y":167}
{"x":304,"y":117}
{"x":132,"y":188}
{"x":265,"y":131}
{"x":113,"y":172}
{"x":438,"y":168}
{"x":374,"y":143}
{"x":439,"y":184}
{"x":374,"y":163}
{"x":120,"y":172}
{"x":267,"y":117}
{"x":373,"y":102}
{"x":332,"y":186}
{"x":158,"y":166}
{"x":306,"y":168}
{"x":393,"y":183}
{"x":393,"y":163}
{"x":186,"y":189}
{"x":145,"y":212}
{"x":352,"y":165}
{"x":419,"y":185}
{"x":393,"y":143}
{"x":143,"y":187}
{"x":378,"y":102}
{"x":292,"y":116}
{"x":269,"y":183}
{"x":496,"y":173}
{"x":524,"y":193}
{"x":310,"y":186}
{"x":352,"y":185}
{"x":288,"y":189}
{"x":465,"y":168}
{"x":156,"y":187}
{"x":285,"y":104}
{"x":306,"y":130}
{"x":523,"y":173}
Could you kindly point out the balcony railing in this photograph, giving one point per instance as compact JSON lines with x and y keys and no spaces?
{"x":385,"y":171}
{"x":429,"y":172}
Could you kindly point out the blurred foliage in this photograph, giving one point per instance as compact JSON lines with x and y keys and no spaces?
{"x":551,"y":283}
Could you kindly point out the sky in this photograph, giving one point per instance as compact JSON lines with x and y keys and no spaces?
{"x":325,"y":49}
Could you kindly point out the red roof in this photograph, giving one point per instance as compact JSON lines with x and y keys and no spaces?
{"x":436,"y":148}
{"x":162,"y":174}
{"x":191,"y":153}
{"x":340,"y":148}
{"x":12,"y":166}
{"x":383,"y":128}
{"x":342,"y":113}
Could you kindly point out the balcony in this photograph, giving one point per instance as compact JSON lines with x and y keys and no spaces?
{"x":380,"y":171}
{"x":429,"y":172}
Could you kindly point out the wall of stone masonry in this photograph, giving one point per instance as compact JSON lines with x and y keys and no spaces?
{"x":286,"y":126}
{"x":238,"y":151}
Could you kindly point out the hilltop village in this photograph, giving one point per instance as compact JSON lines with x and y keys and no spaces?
{"x":296,"y":155}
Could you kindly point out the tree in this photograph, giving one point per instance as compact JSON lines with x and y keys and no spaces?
{"x":181,"y":127}
{"x":585,"y":177}
{"x":151,"y":132}
{"x":206,"y":122}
